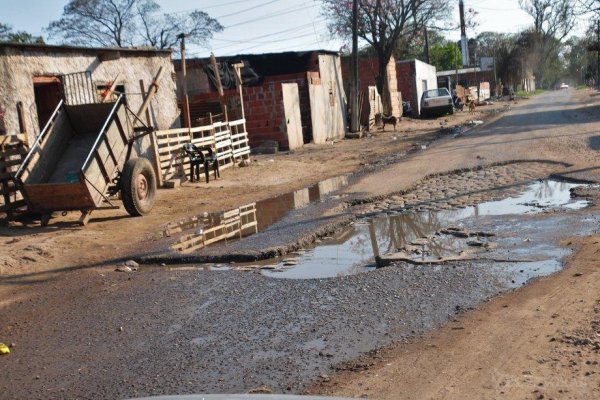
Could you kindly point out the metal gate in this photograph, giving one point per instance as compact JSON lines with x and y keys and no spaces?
{"x":78,"y":88}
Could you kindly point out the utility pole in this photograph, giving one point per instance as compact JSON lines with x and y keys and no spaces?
{"x":186,"y":101}
{"x":598,"y":53}
{"x":355,"y":113}
{"x":427,"y":59}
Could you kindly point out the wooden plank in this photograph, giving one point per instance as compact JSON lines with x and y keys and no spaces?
{"x":9,"y":163}
{"x":13,"y":206}
{"x":6,"y":140}
{"x":237,"y":122}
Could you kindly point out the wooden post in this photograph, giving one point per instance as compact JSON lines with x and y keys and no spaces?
{"x":186,"y":101}
{"x":153,"y":141}
{"x":22,"y":126}
{"x":238,"y":82}
{"x":151,"y":92}
{"x":213,"y":62}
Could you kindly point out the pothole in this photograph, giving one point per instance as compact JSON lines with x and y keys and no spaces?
{"x":197,"y":232}
{"x":426,"y":237}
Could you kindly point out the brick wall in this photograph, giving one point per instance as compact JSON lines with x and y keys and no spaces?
{"x":263,"y":107}
{"x":405,"y":75}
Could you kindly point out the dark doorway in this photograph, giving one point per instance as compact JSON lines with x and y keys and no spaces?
{"x":47,"y":90}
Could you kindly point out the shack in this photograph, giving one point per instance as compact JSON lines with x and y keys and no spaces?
{"x":472,"y":81}
{"x":292,"y":98}
{"x":35,"y":78}
{"x":414,"y":78}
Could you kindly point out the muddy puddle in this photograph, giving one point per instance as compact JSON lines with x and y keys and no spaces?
{"x":431,"y":237}
{"x":200,"y":231}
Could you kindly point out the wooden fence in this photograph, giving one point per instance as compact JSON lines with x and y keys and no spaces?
{"x":13,"y":150}
{"x":229,"y":139}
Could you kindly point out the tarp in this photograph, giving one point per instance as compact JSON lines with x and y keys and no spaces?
{"x":227,"y":74}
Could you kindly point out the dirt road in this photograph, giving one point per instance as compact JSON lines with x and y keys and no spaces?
{"x":541,"y":342}
{"x":158,"y":331}
{"x":559,"y":126}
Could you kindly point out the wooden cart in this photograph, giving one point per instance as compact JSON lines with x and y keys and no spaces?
{"x":82,"y":157}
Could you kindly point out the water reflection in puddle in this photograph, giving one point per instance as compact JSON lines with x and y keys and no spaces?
{"x":354,"y":249}
{"x":200,"y":231}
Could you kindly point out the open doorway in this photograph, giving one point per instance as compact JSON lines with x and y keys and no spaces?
{"x":48,"y":93}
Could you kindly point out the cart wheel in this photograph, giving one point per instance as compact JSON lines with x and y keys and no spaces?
{"x":138,"y":186}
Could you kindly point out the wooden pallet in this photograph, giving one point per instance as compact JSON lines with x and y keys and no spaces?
{"x":232,"y":224}
{"x":229,"y":139}
{"x":240,"y":147}
{"x":13,"y":150}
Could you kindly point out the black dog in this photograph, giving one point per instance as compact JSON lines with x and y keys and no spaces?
{"x":386,"y":119}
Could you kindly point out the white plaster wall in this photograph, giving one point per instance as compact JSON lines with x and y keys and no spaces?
{"x":424,"y":71}
{"x":18,"y":66}
{"x":328,"y":118}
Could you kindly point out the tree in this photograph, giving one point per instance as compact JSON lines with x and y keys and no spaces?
{"x":125,"y":23}
{"x":383,"y":24}
{"x":553,"y":20}
{"x":8,"y":35}
{"x":446,"y":56}
{"x":161,"y":30}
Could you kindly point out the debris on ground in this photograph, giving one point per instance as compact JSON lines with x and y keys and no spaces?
{"x":261,"y":390}
{"x":4,"y":349}
{"x":132,"y":264}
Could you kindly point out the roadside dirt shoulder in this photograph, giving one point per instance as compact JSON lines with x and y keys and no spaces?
{"x":540,"y":342}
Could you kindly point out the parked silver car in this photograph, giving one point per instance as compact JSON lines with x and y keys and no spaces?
{"x":436,"y":101}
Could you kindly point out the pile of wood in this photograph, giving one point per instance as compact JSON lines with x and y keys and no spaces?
{"x":13,"y":149}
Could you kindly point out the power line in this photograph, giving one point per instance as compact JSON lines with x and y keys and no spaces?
{"x":247,"y":9}
{"x":254,"y":40}
{"x":210,"y":7}
{"x":277,"y":41}
{"x":299,"y":27}
{"x":267,"y":16}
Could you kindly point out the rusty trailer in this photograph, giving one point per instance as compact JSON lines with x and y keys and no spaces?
{"x":83,"y":157}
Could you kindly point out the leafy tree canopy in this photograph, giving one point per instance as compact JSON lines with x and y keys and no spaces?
{"x":7,"y":34}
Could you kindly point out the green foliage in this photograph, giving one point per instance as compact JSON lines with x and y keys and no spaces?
{"x":445,"y":56}
{"x":8,"y":35}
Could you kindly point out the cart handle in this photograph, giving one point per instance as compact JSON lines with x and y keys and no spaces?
{"x":102,"y":130}
{"x":39,"y":139}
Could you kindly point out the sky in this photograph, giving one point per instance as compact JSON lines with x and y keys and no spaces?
{"x":262,"y":26}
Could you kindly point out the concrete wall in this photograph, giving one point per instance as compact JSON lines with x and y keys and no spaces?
{"x":427,"y":73}
{"x":19,"y":64}
{"x":410,"y":75}
{"x":328,"y":101}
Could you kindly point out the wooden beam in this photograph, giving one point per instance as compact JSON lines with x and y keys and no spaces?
{"x":153,"y":139}
{"x":111,"y":89}
{"x":213,"y":62}
{"x":238,"y":82}
{"x":151,"y":93}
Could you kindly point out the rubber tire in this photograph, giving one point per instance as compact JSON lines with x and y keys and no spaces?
{"x":133,"y":168}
